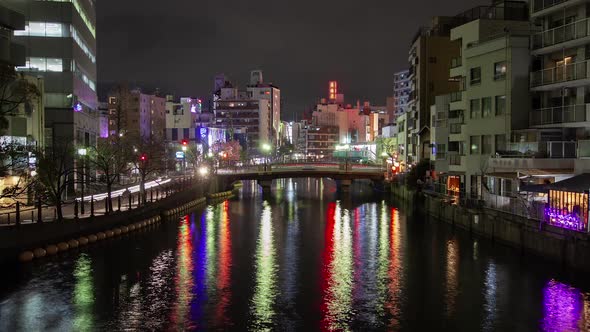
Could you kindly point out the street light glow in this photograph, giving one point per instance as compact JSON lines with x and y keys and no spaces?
{"x":203,"y":170}
{"x":82,"y":151}
{"x":266,"y":147}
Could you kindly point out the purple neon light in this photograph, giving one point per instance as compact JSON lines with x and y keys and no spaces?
{"x":78,"y":107}
{"x":565,"y":220}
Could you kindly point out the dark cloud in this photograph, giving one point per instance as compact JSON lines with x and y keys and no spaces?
{"x":180,"y":45}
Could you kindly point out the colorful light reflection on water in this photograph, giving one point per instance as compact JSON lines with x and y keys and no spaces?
{"x":286,"y":263}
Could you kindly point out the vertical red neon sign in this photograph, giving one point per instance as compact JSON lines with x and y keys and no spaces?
{"x":333,"y":90}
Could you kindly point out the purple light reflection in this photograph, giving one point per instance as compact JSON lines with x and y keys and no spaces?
{"x":562,"y":307}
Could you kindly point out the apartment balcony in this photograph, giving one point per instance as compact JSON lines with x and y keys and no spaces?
{"x":564,"y":165}
{"x":540,"y":150}
{"x":545,"y":7}
{"x":456,"y":162}
{"x":455,"y":128}
{"x":565,"y":36}
{"x":568,"y":75}
{"x":456,"y":96}
{"x":564,"y":116}
{"x":456,"y":62}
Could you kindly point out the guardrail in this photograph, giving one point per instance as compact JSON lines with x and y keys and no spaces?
{"x":539,"y":5}
{"x":559,"y":74}
{"x":93,"y":206}
{"x":559,"y":114}
{"x":561,"y":34}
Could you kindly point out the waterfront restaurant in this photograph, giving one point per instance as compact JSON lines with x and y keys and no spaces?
{"x":567,"y":206}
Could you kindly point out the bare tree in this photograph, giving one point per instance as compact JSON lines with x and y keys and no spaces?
{"x":55,"y":173}
{"x":192,"y":156}
{"x":149,"y":161}
{"x":16,"y":94}
{"x":14,"y":159}
{"x":110,"y":158}
{"x":15,"y":91}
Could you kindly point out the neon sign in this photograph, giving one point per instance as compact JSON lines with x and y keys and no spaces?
{"x":78,"y":107}
{"x":565,"y":220}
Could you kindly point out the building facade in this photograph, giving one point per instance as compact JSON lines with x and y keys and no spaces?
{"x":259,"y":90}
{"x":137,"y":116}
{"x":430,"y":57}
{"x":60,"y":41}
{"x":401,"y":92}
{"x":476,"y":124}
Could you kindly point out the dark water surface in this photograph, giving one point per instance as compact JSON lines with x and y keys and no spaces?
{"x":298,"y":259}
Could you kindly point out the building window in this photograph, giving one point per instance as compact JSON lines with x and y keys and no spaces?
{"x":43,"y":29}
{"x":474,"y":108}
{"x":500,"y":105}
{"x":475,"y":75}
{"x":486,"y":107}
{"x":500,"y":143}
{"x":474,"y":144}
{"x":43,"y":64}
{"x":486,"y":144}
{"x":500,"y":70}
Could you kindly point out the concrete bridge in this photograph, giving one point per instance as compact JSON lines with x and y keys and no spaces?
{"x":344,"y":176}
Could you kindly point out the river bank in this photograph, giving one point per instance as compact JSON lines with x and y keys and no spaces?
{"x":570,"y":248}
{"x":38,"y":240}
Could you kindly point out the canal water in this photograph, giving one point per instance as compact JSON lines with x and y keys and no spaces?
{"x":302,"y":258}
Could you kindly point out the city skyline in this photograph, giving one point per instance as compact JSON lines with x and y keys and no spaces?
{"x":299,"y":57}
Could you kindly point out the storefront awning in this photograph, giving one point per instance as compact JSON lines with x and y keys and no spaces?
{"x":578,"y":183}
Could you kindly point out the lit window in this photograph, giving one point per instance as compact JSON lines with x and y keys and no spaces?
{"x":54,"y":65}
{"x":43,"y":29}
{"x":499,"y":70}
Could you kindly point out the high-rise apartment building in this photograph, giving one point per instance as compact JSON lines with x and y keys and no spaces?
{"x":244,"y":118}
{"x":60,"y":41}
{"x":430,"y":57}
{"x":260,"y":90}
{"x":401,"y":92}
{"x":137,"y":116}
{"x":560,"y":77}
{"x":475,"y":124}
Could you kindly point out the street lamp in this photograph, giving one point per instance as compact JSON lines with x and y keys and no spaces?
{"x":266,"y":148}
{"x":203,"y":171}
{"x":82,"y":153}
{"x":346,"y":148}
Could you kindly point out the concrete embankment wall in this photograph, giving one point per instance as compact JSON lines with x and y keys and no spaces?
{"x":13,"y":240}
{"x":526,"y":235}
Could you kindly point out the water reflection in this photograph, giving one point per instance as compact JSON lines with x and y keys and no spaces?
{"x":183,"y":279}
{"x":83,"y":294}
{"x":265,"y":290}
{"x":290,"y":266}
{"x":490,"y":296}
{"x":337,"y":308}
{"x":395,"y":272}
{"x":292,"y":263}
{"x":225,"y":265}
{"x":563,"y":308}
{"x":452,"y":272}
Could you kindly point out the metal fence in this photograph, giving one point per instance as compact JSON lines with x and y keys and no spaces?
{"x":516,"y":205}
{"x":21,"y":214}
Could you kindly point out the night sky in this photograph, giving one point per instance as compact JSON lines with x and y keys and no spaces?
{"x":179,"y":45}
